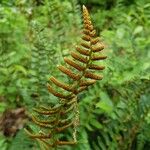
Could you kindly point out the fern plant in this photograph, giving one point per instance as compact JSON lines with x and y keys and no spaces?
{"x":126,"y":126}
{"x":80,"y":70}
{"x":39,"y":64}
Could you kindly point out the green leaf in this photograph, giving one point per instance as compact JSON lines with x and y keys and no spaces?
{"x":105,"y":104}
{"x":20,"y":68}
{"x":3,"y":143}
{"x":2,"y":107}
{"x":96,"y":123}
{"x":137,"y":30}
{"x":21,"y":142}
{"x":120,"y":33}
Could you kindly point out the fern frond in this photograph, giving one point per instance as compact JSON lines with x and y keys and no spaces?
{"x":81,"y":70}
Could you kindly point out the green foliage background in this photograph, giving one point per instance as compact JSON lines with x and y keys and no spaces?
{"x":35,"y":35}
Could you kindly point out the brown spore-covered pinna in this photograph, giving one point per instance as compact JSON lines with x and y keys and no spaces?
{"x":80,"y":68}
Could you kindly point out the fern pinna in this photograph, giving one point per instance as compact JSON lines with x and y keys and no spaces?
{"x":80,"y":69}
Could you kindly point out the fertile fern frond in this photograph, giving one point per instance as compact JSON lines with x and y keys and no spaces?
{"x":80,"y":69}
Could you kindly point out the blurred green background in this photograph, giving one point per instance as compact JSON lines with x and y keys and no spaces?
{"x":35,"y":35}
